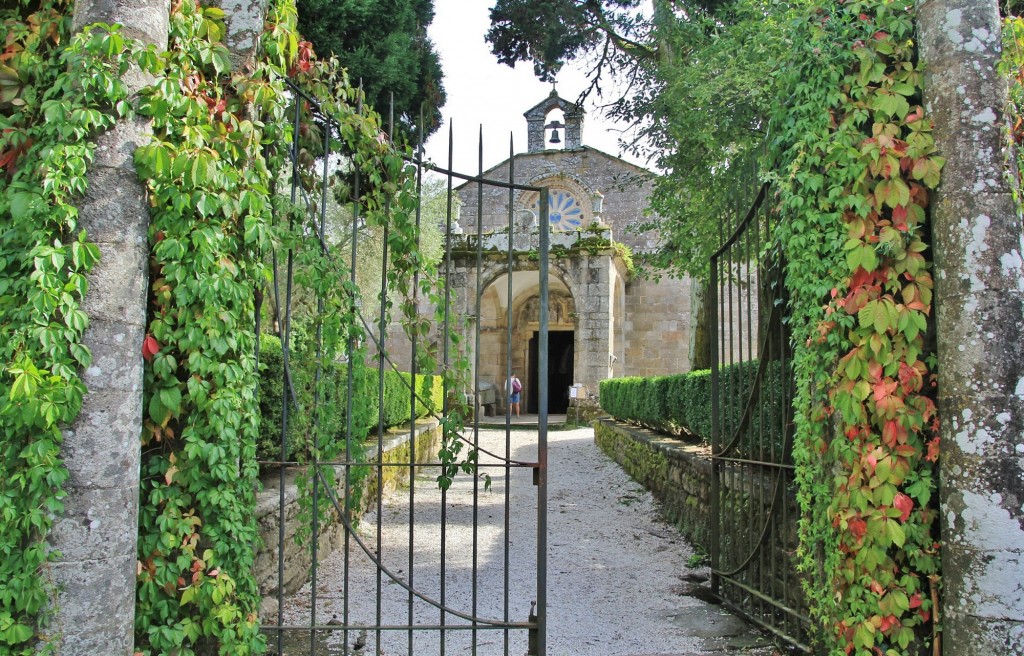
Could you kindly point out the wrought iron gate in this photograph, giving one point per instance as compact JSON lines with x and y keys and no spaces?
{"x":754,"y":529}
{"x":467,"y":574}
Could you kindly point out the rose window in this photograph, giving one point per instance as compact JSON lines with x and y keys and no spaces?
{"x":564,"y":213}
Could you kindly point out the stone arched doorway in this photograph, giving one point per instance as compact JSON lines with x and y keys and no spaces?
{"x":561,"y":347}
{"x":515,"y":301}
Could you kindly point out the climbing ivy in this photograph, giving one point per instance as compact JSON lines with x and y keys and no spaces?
{"x":56,"y":92}
{"x":856,"y":161}
{"x":222,"y":147}
{"x":209,"y":227}
{"x":210,"y":171}
{"x":1011,"y":66}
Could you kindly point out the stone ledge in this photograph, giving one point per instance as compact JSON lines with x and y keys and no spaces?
{"x":677,"y":474}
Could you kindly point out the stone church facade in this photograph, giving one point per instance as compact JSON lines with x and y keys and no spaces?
{"x":603,"y":320}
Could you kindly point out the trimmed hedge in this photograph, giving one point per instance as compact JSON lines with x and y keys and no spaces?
{"x":680,"y":404}
{"x":429,"y":394}
{"x":333,"y":403}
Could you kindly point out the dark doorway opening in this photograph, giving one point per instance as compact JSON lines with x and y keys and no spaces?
{"x":561,"y":355}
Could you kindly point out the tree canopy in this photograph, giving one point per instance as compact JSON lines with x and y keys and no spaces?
{"x":384,"y":46}
{"x":549,"y":33}
{"x":695,"y":78}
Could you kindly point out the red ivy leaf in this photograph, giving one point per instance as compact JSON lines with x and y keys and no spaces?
{"x":904,"y":504}
{"x":884,"y":388}
{"x":899,"y":218}
{"x":150,"y":347}
{"x":858,"y":527}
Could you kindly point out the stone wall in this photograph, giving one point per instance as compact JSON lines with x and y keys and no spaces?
{"x":584,"y":171}
{"x":678,"y":474}
{"x":298,"y":558}
{"x":679,"y":477}
{"x":656,"y":330}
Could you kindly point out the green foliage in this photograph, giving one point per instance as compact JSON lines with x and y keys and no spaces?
{"x":210,"y":184}
{"x":694,"y":406}
{"x":1011,"y":67}
{"x":856,"y":161}
{"x":210,"y":224}
{"x":398,"y":397}
{"x":715,"y":88}
{"x":56,"y":93}
{"x":319,"y":411}
{"x":637,"y":399}
{"x":681,"y":403}
{"x":330,"y":407}
{"x":384,"y":45}
{"x":388,"y":204}
{"x":212,"y":173}
{"x":549,"y":33}
{"x":372,"y":240}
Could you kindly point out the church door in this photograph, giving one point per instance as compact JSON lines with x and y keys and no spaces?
{"x":562,"y":347}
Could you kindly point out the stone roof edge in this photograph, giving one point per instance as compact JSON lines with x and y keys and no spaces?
{"x":504,"y":163}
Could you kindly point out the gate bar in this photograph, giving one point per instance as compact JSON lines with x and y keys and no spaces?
{"x":542,"y":437}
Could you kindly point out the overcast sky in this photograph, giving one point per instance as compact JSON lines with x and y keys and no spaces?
{"x":483,"y":92}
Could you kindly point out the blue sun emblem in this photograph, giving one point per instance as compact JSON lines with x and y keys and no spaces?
{"x":564,"y":213}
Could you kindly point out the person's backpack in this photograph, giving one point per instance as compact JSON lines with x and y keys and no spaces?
{"x":516,"y":385}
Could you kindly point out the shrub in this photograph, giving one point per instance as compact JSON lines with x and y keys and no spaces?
{"x":681,"y":404}
{"x":333,"y":402}
{"x":397,"y":385}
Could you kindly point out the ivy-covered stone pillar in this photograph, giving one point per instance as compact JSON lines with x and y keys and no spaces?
{"x":96,"y":536}
{"x":979,"y":300}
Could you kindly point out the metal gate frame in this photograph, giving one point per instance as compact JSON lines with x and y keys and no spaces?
{"x":450,"y":619}
{"x":754,"y":517}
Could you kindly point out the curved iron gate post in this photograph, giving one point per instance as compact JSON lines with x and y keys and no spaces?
{"x":367,"y":631}
{"x":753,"y":505}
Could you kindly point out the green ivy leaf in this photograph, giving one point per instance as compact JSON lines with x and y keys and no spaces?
{"x":897,"y":535}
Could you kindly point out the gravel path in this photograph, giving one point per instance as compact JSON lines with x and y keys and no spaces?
{"x":616,"y":573}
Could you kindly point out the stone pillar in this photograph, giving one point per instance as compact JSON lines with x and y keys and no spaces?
{"x":534,"y":134}
{"x":979,"y":302}
{"x":593,"y":304}
{"x":573,"y":128}
{"x":95,"y":574}
{"x":245,"y":23}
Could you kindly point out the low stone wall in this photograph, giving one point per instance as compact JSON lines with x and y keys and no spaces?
{"x":298,"y":557}
{"x":678,"y":474}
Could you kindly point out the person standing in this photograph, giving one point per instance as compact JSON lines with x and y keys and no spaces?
{"x":515,"y":391}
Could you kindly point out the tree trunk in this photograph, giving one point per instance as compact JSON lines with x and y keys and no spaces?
{"x":700,"y":335}
{"x":95,"y":574}
{"x":979,"y":304}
